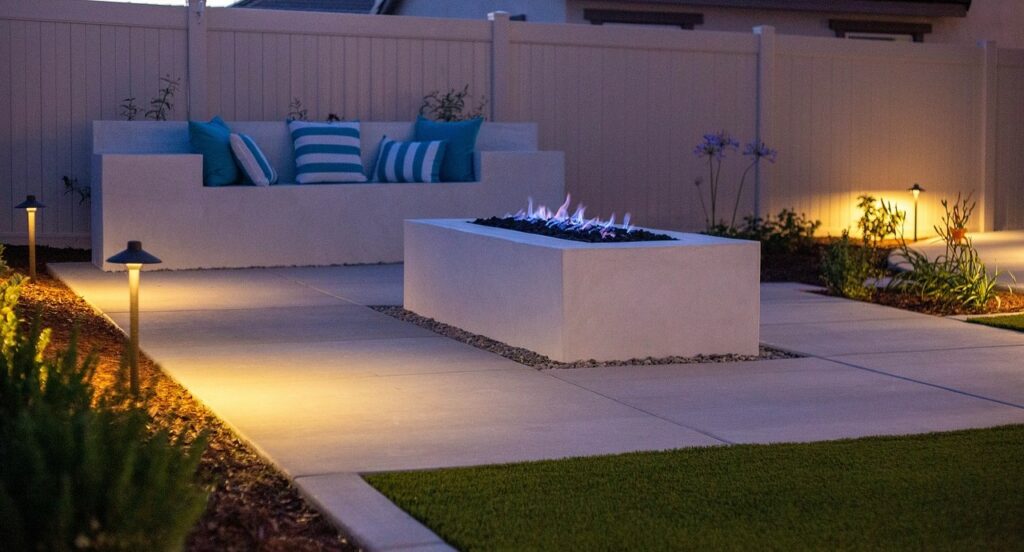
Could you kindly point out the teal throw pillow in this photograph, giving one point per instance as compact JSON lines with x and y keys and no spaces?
{"x":460,"y":144}
{"x":213,"y":141}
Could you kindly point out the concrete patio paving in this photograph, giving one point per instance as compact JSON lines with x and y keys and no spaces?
{"x":327,"y":388}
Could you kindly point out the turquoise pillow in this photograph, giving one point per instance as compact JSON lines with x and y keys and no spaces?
{"x":460,"y":138}
{"x":409,"y":161}
{"x":213,"y":141}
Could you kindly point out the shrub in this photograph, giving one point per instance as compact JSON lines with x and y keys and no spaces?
{"x":162,"y":105}
{"x":787,"y":232}
{"x":879,"y":221}
{"x":451,"y":105}
{"x":81,"y":470}
{"x":956,"y":279}
{"x":296,"y":112}
{"x":846,"y":267}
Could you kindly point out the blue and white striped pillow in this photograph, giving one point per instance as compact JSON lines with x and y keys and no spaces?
{"x":252,"y":161}
{"x":409,"y":161}
{"x":326,"y":152}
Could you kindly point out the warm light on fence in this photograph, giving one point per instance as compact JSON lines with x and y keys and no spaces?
{"x":30,"y":205}
{"x":133,"y":258}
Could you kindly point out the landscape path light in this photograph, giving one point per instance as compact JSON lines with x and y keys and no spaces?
{"x":133,"y":258}
{"x":916,"y":189}
{"x":30,"y":205}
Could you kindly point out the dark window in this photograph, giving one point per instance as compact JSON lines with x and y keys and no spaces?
{"x":674,"y":19}
{"x":879,"y":30}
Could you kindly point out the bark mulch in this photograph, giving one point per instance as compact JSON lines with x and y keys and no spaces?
{"x":252,"y":506}
{"x":1005,"y":302}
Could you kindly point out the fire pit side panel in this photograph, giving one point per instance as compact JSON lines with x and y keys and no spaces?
{"x":505,"y":290}
{"x":659,"y":301}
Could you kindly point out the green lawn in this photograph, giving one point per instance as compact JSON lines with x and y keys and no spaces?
{"x":953,"y":491}
{"x":1009,"y":322}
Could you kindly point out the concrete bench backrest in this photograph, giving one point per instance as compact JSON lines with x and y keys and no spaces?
{"x":273,"y":138}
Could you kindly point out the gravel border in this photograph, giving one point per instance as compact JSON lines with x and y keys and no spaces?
{"x":541,"y":362}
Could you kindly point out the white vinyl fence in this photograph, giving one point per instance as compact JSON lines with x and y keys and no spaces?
{"x":627,"y":105}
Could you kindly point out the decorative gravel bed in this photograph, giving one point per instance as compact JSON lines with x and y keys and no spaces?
{"x":541,"y":362}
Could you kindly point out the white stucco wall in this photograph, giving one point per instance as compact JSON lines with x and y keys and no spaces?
{"x":999,"y":20}
{"x":542,"y":11}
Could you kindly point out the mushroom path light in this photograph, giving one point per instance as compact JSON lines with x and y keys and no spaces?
{"x":133,"y":258}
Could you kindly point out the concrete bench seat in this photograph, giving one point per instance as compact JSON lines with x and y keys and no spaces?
{"x":147,"y":185}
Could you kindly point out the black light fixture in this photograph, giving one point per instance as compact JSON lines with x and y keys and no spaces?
{"x":31,"y":205}
{"x":916,"y":189}
{"x":133,"y":258}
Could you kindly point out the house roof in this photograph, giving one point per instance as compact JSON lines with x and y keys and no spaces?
{"x":338,"y":6}
{"x":925,"y":8}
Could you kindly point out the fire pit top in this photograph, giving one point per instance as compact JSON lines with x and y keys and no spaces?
{"x":679,"y":239}
{"x":577,"y":227}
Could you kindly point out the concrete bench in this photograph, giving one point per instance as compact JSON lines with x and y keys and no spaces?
{"x":146,"y":185}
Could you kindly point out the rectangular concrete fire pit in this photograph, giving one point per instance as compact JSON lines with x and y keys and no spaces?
{"x":573,"y":300}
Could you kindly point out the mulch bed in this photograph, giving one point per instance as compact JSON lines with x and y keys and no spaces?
{"x":541,"y":362}
{"x":1005,"y":302}
{"x":252,"y":506}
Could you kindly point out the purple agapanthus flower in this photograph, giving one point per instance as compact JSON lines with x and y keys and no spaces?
{"x":761,"y":151}
{"x":715,"y":145}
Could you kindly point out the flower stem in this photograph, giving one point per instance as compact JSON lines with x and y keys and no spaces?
{"x":739,"y":192}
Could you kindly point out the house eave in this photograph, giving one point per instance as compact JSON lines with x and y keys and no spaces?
{"x":861,"y":7}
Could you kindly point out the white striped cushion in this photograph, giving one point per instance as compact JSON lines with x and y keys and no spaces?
{"x":252,"y":161}
{"x":326,"y":152}
{"x":409,"y":161}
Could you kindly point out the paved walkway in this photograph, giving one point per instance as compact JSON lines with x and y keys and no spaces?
{"x":327,"y":388}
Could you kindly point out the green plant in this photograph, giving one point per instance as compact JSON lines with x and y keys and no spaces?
{"x":955,"y":280}
{"x":787,"y":232}
{"x":879,"y":220}
{"x":451,"y":105}
{"x":129,"y":110}
{"x":846,"y":268}
{"x":3,"y":262}
{"x":161,"y":105}
{"x":296,"y":112}
{"x":81,"y":469}
{"x":71,"y":186}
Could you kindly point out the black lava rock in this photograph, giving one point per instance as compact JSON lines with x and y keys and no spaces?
{"x":591,"y":235}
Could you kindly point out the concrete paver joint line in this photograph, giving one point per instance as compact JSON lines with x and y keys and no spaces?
{"x":706,"y":433}
{"x":929,"y":384}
